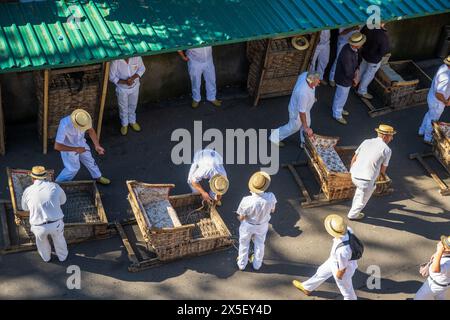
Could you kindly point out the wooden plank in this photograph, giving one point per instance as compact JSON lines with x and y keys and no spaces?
{"x":444,"y":189}
{"x":300,"y":183}
{"x":103,"y":98}
{"x":2,"y":127}
{"x":126,"y":243}
{"x":75,"y":69}
{"x":4,"y":225}
{"x":45,"y":129}
{"x":263,"y":72}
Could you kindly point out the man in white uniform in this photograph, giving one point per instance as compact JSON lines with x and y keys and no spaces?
{"x":437,"y":284}
{"x":200,"y":62}
{"x":71,"y":143}
{"x":339,"y":265}
{"x":126,"y":74}
{"x":344,"y":36}
{"x":208,"y":165}
{"x":43,"y":199}
{"x":321,"y":55}
{"x":302,"y":100}
{"x":438,"y":99}
{"x":254,"y":212}
{"x":371,"y":160}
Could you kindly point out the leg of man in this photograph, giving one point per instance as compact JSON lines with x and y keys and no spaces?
{"x":443,"y":294}
{"x":258,"y":241}
{"x":367,"y":76}
{"x":88,"y":161}
{"x":364,"y":190}
{"x":71,"y":161}
{"x":346,"y":284}
{"x":324,"y":58}
{"x":288,"y":129}
{"x":425,"y":292}
{"x":434,"y":115}
{"x":122,"y":101}
{"x":133,"y":98}
{"x":340,"y":98}
{"x":313,"y":65}
{"x":322,"y":274}
{"x":425,"y":120}
{"x":209,"y":73}
{"x":42,"y":243}
{"x":195,"y":73}
{"x":340,"y":45}
{"x":57,"y":234}
{"x":245,"y":235}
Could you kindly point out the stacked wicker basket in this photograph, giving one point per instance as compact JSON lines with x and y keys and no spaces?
{"x":442,"y":143}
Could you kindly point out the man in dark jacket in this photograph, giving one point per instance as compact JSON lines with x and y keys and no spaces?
{"x":376,"y":47}
{"x":346,"y":74}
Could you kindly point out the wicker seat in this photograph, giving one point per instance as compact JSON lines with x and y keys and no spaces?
{"x":441,"y":148}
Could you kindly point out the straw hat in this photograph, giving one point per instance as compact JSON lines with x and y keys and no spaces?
{"x":219,"y":184}
{"x":447,"y":61}
{"x":335,"y":225}
{"x":81,"y":119}
{"x":357,"y":39}
{"x":385,"y":129}
{"x":259,"y":182}
{"x":446,"y":242}
{"x":300,"y":43}
{"x":38,"y":172}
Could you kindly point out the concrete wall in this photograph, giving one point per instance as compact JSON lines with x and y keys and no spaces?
{"x":167,"y":76}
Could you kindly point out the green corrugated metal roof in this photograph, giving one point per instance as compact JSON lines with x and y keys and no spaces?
{"x":40,"y":35}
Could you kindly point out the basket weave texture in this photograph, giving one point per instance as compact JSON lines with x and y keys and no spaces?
{"x":441,"y":148}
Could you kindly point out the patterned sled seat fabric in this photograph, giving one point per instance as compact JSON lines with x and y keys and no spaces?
{"x":445,"y":128}
{"x":325,"y":149}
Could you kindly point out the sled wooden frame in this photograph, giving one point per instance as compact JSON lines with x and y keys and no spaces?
{"x":138,"y":265}
{"x":376,"y":112}
{"x":444,"y":189}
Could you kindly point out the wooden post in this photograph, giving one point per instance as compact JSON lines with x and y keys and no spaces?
{"x":45,"y":129}
{"x":103,"y":97}
{"x":2,"y":128}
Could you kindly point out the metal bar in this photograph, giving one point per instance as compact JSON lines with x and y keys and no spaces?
{"x":103,"y":98}
{"x":45,"y":124}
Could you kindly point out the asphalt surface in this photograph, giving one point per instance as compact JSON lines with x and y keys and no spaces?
{"x":400,"y":231}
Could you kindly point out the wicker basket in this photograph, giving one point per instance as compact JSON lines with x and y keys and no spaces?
{"x":275,"y":66}
{"x":69,"y":89}
{"x":441,"y":146}
{"x":84,"y":216}
{"x":400,"y":84}
{"x":189,"y":228}
{"x":331,"y":165}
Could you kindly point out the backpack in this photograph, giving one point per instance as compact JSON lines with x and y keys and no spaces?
{"x":355,"y":244}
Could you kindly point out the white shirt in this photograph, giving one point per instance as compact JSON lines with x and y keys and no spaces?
{"x":43,"y":199}
{"x":68,"y":135}
{"x":121,"y":70}
{"x":257,"y":207}
{"x":440,"y":84}
{"x":371,"y":154}
{"x":341,"y":257}
{"x":442,"y":277}
{"x":205,"y":165}
{"x":201,"y":55}
{"x":303,"y":97}
{"x":325,"y":36}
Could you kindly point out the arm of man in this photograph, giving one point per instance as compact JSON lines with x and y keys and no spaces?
{"x":355,"y":156}
{"x":183,"y":55}
{"x":306,"y":128}
{"x":340,"y":273}
{"x":205,"y":195}
{"x":24,"y":201}
{"x":114,"y":74}
{"x":141,"y":69}
{"x":344,"y":255}
{"x":385,"y":164}
{"x":63,"y":147}
{"x":93,"y":135}
{"x":436,"y":264}
{"x":62,"y":196}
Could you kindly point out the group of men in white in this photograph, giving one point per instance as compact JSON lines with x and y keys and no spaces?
{"x":207,"y":175}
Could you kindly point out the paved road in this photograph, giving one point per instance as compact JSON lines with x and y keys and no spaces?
{"x":399,"y":232}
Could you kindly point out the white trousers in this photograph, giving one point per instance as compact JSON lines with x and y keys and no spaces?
{"x":248,"y":232}
{"x":290,"y":128}
{"x":364,"y":190}
{"x":71,"y":162}
{"x":327,"y":270}
{"x":56,"y":231}
{"x":367,"y":72}
{"x":320,"y":59}
{"x":340,"y":98}
{"x":434,"y":114}
{"x":431,"y":291}
{"x":340,"y":45}
{"x":196,"y":70}
{"x":127,"y":101}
